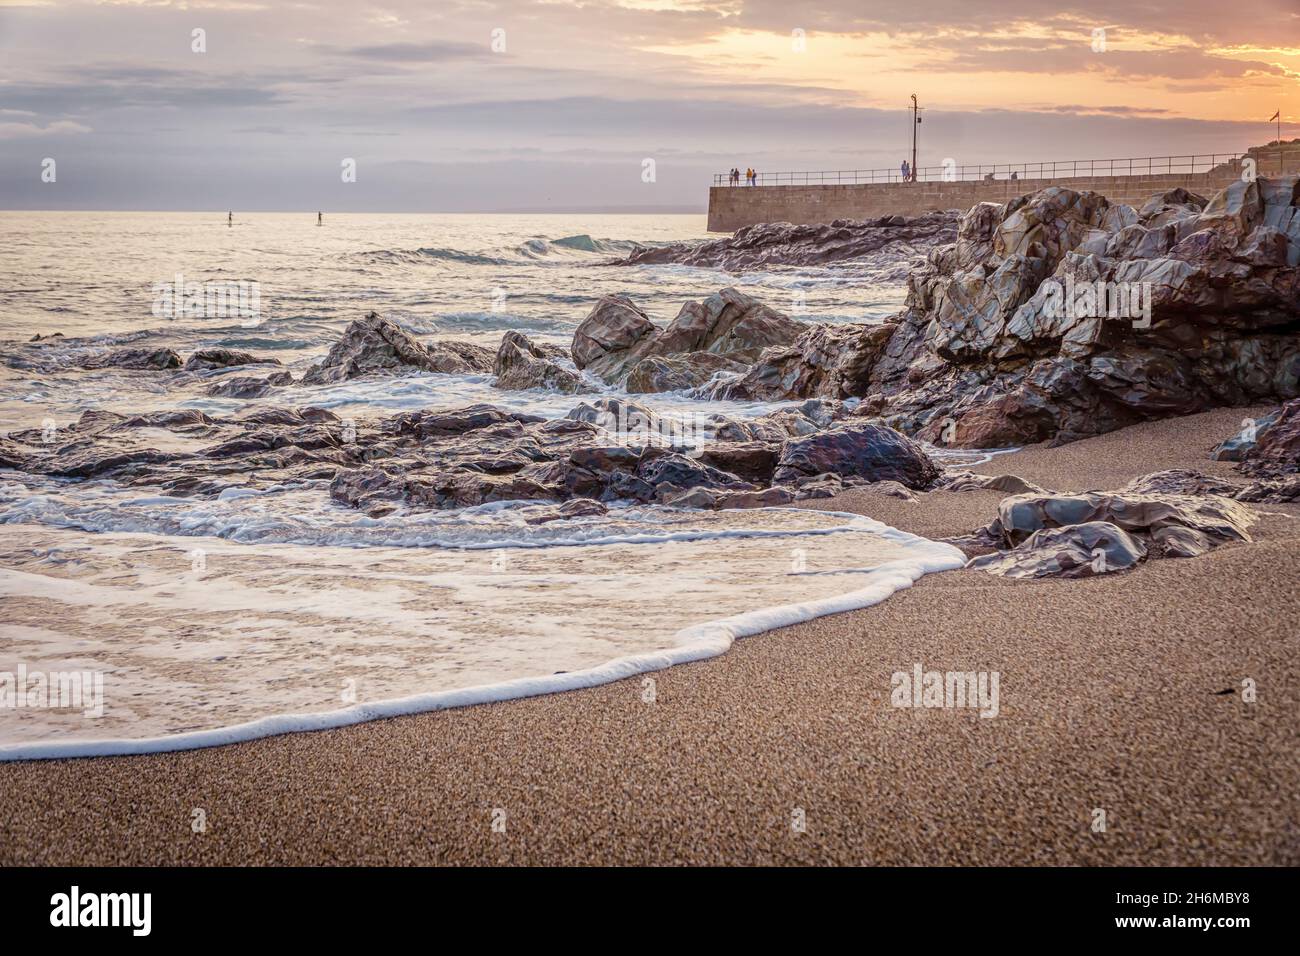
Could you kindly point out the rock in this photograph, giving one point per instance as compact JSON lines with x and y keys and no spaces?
{"x":1180,"y":482}
{"x":871,"y":452}
{"x":702,"y":498}
{"x":751,"y":460}
{"x":205,"y":359}
{"x":248,"y":386}
{"x":682,"y":472}
{"x":377,"y":345}
{"x":1071,"y":551}
{"x":969,"y":481}
{"x":1276,"y":451}
{"x":424,"y":424}
{"x":826,"y":360}
{"x":884,"y":240}
{"x":145,"y":359}
{"x":677,"y":374}
{"x":573,"y":508}
{"x":767,"y":498}
{"x":613,"y":326}
{"x":1236,"y":447}
{"x":519,"y":364}
{"x":729,"y":326}
{"x":894,"y":490}
{"x":818,"y":486}
{"x":1058,"y":316}
{"x":1220,"y":519}
{"x":1272,"y":490}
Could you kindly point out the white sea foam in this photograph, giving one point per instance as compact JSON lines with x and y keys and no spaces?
{"x":693,"y":642}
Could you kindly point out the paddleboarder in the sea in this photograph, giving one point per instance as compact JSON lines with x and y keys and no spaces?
{"x":230,"y":218}
{"x":320,"y":219}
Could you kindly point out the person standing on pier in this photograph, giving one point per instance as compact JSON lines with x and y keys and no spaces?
{"x":906,"y":170}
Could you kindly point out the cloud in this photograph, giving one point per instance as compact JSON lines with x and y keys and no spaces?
{"x":435,"y":52}
{"x":28,"y":130}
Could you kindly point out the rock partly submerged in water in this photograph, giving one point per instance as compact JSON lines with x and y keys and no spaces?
{"x":520,"y":364}
{"x":156,"y":360}
{"x":249,"y":386}
{"x":214,"y":358}
{"x":375,"y":344}
{"x":1059,"y":315}
{"x":894,"y":239}
{"x":462,"y":457}
{"x":728,"y":331}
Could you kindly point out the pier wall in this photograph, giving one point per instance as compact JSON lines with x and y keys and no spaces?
{"x":731,"y":207}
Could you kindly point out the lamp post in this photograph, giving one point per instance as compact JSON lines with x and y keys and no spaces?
{"x":916,"y":121}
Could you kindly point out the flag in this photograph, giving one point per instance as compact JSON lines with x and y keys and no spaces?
{"x":1277,"y":115}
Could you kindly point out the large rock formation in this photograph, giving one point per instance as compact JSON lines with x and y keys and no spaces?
{"x":1060,"y":315}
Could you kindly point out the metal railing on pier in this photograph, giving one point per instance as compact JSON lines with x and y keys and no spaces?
{"x":1060,"y":169}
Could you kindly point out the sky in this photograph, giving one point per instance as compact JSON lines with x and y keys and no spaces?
{"x":603,"y":105}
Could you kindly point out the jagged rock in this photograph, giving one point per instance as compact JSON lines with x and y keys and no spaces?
{"x":519,"y":364}
{"x":1272,"y":490}
{"x":1179,"y":481}
{"x":826,"y":360}
{"x":149,"y":359}
{"x":1071,"y":551}
{"x":616,"y":336}
{"x":376,"y":344}
{"x":681,"y":373}
{"x":205,"y":359}
{"x":1007,"y":338}
{"x":867,"y":451}
{"x":249,"y":386}
{"x":780,"y":243}
{"x":614,"y":326}
{"x":1276,"y":451}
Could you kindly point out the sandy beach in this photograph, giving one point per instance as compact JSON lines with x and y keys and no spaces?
{"x":1114,"y":696}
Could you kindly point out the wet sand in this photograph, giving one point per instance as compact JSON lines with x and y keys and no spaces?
{"x":1111,"y":698}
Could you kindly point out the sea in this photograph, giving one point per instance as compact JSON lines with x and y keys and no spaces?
{"x":206,"y":621}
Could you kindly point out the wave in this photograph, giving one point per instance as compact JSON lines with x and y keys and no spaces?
{"x":692,"y":643}
{"x":427,"y":254}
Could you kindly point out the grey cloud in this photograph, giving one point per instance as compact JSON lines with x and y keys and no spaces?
{"x":436,"y":52}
